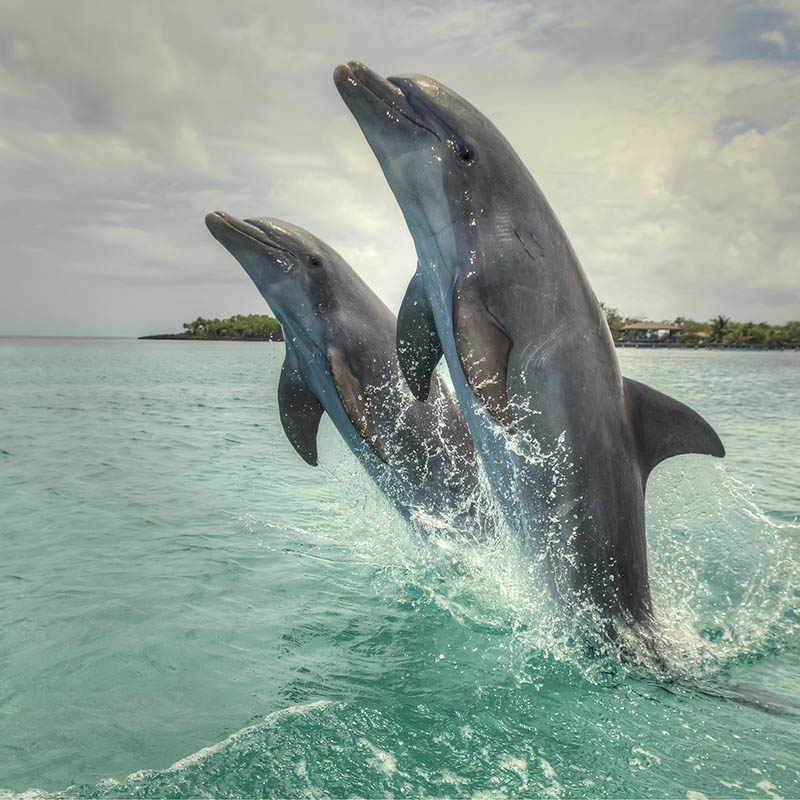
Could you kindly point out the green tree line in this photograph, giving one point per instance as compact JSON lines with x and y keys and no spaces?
{"x":719,"y":330}
{"x":251,"y":326}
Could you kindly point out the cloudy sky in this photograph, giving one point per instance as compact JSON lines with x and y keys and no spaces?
{"x":665,"y":134}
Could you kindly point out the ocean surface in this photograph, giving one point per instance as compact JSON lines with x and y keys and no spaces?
{"x":188,"y":609}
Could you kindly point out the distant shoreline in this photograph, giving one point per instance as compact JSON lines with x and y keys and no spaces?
{"x":644,"y":345}
{"x":706,"y":346}
{"x":190,"y":338}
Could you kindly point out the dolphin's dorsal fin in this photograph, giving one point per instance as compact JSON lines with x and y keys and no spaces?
{"x":418,"y":347}
{"x":483,"y":348}
{"x":664,"y":427}
{"x":300,"y":410}
{"x":354,"y":399}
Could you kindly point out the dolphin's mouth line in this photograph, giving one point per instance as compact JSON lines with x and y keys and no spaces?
{"x":390,"y":105}
{"x":423,"y":101}
{"x":402,"y":113}
{"x":244,"y":228}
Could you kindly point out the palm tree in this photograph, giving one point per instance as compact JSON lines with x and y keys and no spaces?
{"x":719,"y":326}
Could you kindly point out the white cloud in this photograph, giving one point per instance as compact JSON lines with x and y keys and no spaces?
{"x":777,"y":38}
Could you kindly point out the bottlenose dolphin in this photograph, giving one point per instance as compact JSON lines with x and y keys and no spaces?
{"x":341,"y":358}
{"x":566,"y":441}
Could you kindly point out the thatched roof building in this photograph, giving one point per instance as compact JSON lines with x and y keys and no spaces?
{"x":650,"y":332}
{"x":652,"y":326}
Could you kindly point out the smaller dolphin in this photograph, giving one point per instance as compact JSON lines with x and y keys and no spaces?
{"x":341,"y":358}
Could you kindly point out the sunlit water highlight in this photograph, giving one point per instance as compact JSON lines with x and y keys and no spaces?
{"x":188,"y":609}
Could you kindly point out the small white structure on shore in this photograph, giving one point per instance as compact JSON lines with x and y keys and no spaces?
{"x":651,"y":332}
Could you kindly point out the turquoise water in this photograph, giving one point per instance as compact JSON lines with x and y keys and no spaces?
{"x":188,"y":609}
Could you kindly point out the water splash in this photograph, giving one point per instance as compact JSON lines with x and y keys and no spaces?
{"x":724,"y":574}
{"x":715,"y":603}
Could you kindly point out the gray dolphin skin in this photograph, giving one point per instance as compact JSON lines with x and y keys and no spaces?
{"x":566,"y":441}
{"x":341,"y":358}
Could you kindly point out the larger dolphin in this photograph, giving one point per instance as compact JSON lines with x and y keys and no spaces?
{"x":341,"y":358}
{"x":567,"y":442}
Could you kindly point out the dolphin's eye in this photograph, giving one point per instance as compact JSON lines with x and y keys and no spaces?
{"x":315,"y":261}
{"x":464,"y":153}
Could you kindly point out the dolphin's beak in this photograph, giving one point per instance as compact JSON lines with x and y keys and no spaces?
{"x":354,"y":73}
{"x":215,"y":222}
{"x":245,"y":238}
{"x":384,"y":102}
{"x":342,"y":74}
{"x":226,"y":225}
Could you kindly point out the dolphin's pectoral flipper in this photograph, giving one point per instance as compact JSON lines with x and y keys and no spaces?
{"x":418,"y":347}
{"x":664,"y":427}
{"x":483,"y":348}
{"x":354,"y":399}
{"x":300,"y":411}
